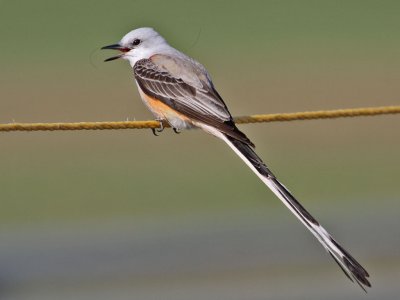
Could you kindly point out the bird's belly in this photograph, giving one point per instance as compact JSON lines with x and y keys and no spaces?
{"x":163,"y":112}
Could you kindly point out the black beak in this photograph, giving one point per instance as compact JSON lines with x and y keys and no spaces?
{"x":112,"y":47}
{"x":115,"y":47}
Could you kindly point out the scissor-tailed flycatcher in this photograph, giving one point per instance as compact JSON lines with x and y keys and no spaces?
{"x":177,"y":89}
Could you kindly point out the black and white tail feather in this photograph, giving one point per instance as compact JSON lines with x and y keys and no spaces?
{"x":352,"y":269}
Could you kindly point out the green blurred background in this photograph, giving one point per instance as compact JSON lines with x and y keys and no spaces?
{"x":126,"y":215}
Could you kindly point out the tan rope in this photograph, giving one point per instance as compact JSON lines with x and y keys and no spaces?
{"x":321,"y":114}
{"x":309,"y":115}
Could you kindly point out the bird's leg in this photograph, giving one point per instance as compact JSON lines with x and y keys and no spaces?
{"x":158,"y":130}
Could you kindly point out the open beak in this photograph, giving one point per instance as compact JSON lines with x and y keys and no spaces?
{"x":115,"y":47}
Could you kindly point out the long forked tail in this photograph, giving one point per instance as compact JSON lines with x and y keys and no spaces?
{"x":353,"y":270}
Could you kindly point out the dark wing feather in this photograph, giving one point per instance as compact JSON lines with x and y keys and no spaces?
{"x":199,"y":104}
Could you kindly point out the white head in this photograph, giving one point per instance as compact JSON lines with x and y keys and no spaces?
{"x":138,"y":44}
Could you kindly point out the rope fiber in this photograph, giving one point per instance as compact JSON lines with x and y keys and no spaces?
{"x":308,"y":115}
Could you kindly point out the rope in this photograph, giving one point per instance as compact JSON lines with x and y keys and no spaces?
{"x":308,"y":115}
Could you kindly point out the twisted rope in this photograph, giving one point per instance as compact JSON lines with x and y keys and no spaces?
{"x":281,"y":117}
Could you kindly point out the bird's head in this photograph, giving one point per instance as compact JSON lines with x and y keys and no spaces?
{"x":137,"y":44}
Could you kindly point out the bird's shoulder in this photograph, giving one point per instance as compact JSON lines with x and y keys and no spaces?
{"x":183,"y":68}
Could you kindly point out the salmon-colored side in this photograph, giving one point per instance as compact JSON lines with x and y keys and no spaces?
{"x":162,"y":110}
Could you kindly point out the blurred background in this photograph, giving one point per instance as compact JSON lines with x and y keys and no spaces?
{"x":126,"y":215}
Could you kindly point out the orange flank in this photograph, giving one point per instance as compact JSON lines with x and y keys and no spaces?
{"x":162,"y":110}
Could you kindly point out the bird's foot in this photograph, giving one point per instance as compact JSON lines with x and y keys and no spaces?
{"x":158,"y":130}
{"x":176,"y":130}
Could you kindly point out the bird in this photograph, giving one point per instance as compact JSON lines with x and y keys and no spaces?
{"x":178,"y":90}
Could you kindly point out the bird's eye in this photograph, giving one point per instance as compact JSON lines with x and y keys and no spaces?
{"x":136,"y":42}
